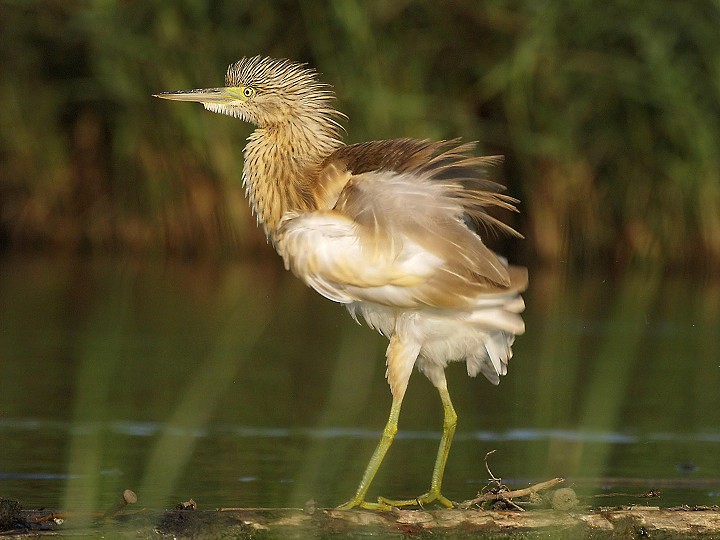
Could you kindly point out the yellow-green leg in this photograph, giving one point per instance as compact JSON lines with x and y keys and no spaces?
{"x":386,"y":440}
{"x":434,"y":494}
{"x":401,"y":355}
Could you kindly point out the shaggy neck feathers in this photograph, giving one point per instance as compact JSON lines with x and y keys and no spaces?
{"x":282,"y":162}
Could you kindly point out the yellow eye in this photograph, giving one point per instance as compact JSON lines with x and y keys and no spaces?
{"x":248,"y":92}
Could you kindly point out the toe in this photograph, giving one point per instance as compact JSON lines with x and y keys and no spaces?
{"x":422,"y":500}
{"x":359,"y":503}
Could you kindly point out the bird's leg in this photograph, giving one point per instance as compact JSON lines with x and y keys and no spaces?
{"x":401,"y":356}
{"x":449,"y":424}
{"x":386,"y":440}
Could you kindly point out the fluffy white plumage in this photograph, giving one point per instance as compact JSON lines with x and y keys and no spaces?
{"x":385,"y":274}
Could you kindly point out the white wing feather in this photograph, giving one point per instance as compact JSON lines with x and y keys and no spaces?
{"x":396,"y":251}
{"x":327,"y":251}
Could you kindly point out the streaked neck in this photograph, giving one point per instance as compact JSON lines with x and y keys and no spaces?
{"x":281,"y":167}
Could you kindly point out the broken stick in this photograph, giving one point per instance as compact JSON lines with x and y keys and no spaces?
{"x":511,"y":494}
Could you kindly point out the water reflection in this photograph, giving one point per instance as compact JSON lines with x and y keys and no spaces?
{"x":237,"y":386}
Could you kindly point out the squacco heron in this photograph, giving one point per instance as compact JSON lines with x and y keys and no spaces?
{"x":391,"y":229}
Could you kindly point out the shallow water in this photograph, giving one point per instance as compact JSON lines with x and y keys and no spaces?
{"x":235,"y":385}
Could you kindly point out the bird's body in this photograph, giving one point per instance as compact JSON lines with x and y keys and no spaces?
{"x":388,"y":228}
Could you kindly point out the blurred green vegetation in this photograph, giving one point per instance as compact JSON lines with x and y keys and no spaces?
{"x":607,"y":113}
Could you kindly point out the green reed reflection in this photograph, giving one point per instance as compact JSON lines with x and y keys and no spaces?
{"x":242,"y":316}
{"x":620,"y":358}
{"x":101,"y":344}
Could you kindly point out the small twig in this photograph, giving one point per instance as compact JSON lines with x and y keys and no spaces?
{"x":498,"y":481}
{"x":506,"y":495}
{"x":652,"y":494}
{"x":52,"y":516}
{"x":128,"y":497}
{"x":511,"y":503}
{"x":47,"y":517}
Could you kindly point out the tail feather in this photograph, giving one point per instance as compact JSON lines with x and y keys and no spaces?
{"x":499,"y":318}
{"x":493,"y":360}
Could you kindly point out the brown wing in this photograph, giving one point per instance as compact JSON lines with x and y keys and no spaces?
{"x":448,"y":162}
{"x":394,"y":232}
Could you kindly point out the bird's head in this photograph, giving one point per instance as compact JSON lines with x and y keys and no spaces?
{"x":266,"y":92}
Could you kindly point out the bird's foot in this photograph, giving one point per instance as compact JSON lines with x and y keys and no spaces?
{"x":360,"y":503}
{"x":422,"y":500}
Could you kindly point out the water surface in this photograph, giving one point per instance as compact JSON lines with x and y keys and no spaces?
{"x":235,"y":385}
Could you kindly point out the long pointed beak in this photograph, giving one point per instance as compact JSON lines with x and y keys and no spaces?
{"x":202,"y":95}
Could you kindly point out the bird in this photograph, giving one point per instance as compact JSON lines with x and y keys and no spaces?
{"x":394,"y":230}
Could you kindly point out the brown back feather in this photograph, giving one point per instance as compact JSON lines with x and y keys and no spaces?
{"x":448,"y":162}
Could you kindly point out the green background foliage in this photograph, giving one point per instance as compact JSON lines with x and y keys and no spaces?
{"x":608,"y":115}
